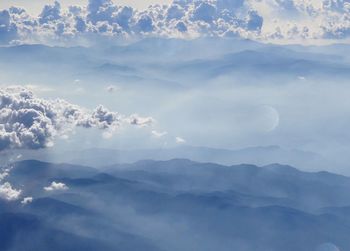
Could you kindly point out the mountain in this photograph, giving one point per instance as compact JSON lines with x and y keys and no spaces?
{"x":303,"y":190}
{"x":255,"y":155}
{"x":262,"y":64}
{"x":21,"y":232}
{"x":172,"y":62}
{"x":177,"y":204}
{"x":34,"y":175}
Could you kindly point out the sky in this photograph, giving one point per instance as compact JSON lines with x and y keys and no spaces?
{"x":251,"y":115}
{"x":35,"y":7}
{"x":67,"y":84}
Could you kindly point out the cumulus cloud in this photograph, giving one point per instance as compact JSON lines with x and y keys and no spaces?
{"x":29,"y":122}
{"x":50,"y":13}
{"x":9,"y":193}
{"x":204,"y":12}
{"x":27,"y":200}
{"x":135,"y":119}
{"x":56,"y":186}
{"x":4,"y":173}
{"x":104,"y":18}
{"x":254,"y":19}
{"x":100,"y":117}
{"x":8,"y":29}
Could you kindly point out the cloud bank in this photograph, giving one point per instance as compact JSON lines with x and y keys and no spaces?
{"x":29,"y":122}
{"x":267,"y":20}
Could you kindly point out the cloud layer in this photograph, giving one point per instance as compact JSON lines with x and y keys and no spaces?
{"x":29,"y":122}
{"x":255,"y":19}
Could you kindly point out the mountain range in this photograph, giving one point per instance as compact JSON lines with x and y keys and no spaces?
{"x":175,"y":205}
{"x":261,"y":155}
{"x":157,"y":62}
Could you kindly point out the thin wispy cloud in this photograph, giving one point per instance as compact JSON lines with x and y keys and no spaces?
{"x":180,"y":140}
{"x":158,"y":134}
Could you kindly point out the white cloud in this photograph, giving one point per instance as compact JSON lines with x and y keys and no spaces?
{"x":29,"y":122}
{"x":267,"y":20}
{"x":180,"y":140}
{"x":179,"y":19}
{"x":135,"y":119}
{"x":9,"y":193}
{"x":3,"y":175}
{"x":56,"y":186}
{"x":158,"y":134}
{"x":27,"y":200}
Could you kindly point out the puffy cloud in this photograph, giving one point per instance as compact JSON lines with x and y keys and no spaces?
{"x":175,"y":11}
{"x":99,"y":10}
{"x":80,"y":24}
{"x":25,"y":121}
{"x":29,"y":122}
{"x":255,"y":22}
{"x":145,"y":24}
{"x":50,"y":13}
{"x":123,"y":17}
{"x":100,"y":117}
{"x":3,"y":175}
{"x":180,"y":26}
{"x":56,"y":186}
{"x":135,"y":119}
{"x":104,"y":18}
{"x":27,"y":200}
{"x":336,"y":5}
{"x":8,"y":30}
{"x":254,"y":19}
{"x":6,"y":171}
{"x":9,"y":193}
{"x":204,"y":12}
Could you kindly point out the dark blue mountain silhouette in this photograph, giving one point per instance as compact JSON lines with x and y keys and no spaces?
{"x":176,"y":205}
